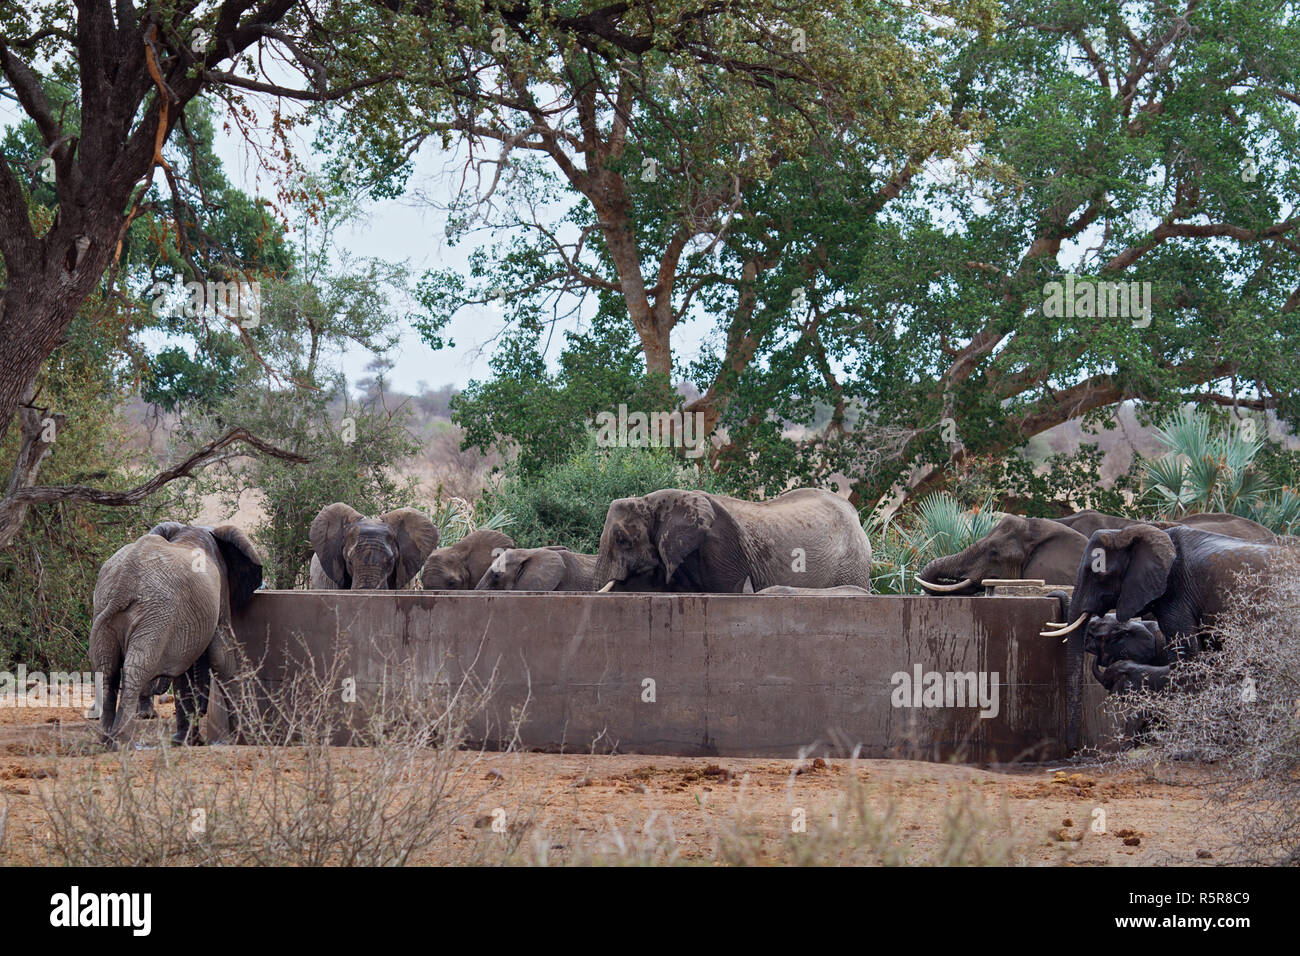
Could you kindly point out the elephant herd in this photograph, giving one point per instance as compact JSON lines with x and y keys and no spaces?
{"x":670,"y":540}
{"x":1178,"y":575}
{"x":163,"y":604}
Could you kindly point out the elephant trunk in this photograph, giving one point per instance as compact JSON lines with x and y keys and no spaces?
{"x":1074,"y":658}
{"x":606,"y":575}
{"x":1074,"y":687}
{"x":951,"y":567}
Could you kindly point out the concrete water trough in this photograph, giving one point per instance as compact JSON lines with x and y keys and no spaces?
{"x":696,"y":674}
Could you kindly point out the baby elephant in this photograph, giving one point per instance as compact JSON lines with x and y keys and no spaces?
{"x":460,"y":566}
{"x":1132,"y":640}
{"x":540,"y":569}
{"x":1123,"y":677}
{"x":354,"y":552}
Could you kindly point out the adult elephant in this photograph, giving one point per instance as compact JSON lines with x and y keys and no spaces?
{"x":459,"y":567}
{"x":1017,"y":547}
{"x":675,"y":540}
{"x":353,"y":552}
{"x":1181,"y":576}
{"x":162,"y":614}
{"x":1235,"y":526}
{"x":1087,"y":521}
{"x":540,"y":569}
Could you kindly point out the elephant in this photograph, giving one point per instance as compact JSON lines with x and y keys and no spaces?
{"x":162,"y":609}
{"x":1087,"y":521}
{"x":356,"y":553}
{"x":1125,"y":677}
{"x":1110,"y":640}
{"x":1182,"y":576}
{"x":840,"y":589}
{"x":540,"y":569}
{"x":462,"y":565}
{"x":693,"y":541}
{"x":1235,"y":526}
{"x":1017,"y":547}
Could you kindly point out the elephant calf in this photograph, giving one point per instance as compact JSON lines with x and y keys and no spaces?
{"x":162,"y":613}
{"x":1111,"y":641}
{"x":540,"y":569}
{"x":353,"y":552}
{"x":462,"y":565}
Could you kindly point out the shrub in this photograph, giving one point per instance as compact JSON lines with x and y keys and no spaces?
{"x":905,"y":543}
{"x":1209,"y":469}
{"x":1237,"y":710}
{"x":565,"y":504}
{"x":351,"y":461}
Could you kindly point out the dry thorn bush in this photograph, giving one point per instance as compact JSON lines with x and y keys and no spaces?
{"x":288,"y":795}
{"x":1237,"y":712}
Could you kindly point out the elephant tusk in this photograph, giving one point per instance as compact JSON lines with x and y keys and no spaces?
{"x":1065,"y":629}
{"x":1061,"y":626}
{"x":944,"y":588}
{"x":607,"y":588}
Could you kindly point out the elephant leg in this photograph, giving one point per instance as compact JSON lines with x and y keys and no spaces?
{"x":223,"y":662}
{"x":191,"y":690}
{"x":137,"y":678}
{"x":108,"y":706}
{"x":146,"y":709}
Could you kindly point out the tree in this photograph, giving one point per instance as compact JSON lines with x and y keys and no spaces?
{"x":1136,"y":144}
{"x":658,"y":118}
{"x":106,"y":85}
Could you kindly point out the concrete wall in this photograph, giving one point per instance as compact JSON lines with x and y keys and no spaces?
{"x":734,"y":675}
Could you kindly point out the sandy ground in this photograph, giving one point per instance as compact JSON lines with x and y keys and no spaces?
{"x":636,"y":808}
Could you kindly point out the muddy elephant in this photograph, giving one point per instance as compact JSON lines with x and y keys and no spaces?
{"x":459,"y":567}
{"x":1017,"y":547}
{"x":676,"y":540}
{"x":1181,"y":576}
{"x":162,"y":610}
{"x":353,"y":552}
{"x":540,"y":569}
{"x":1235,"y":526}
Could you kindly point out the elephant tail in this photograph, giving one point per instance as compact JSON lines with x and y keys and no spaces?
{"x":108,"y":635}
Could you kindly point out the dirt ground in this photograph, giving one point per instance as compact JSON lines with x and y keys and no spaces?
{"x":638,"y":808}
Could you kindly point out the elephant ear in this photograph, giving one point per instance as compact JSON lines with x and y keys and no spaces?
{"x":326,"y":535}
{"x":1151,"y":554}
{"x":1049,"y":545}
{"x":543,"y":570}
{"x":243,"y":563}
{"x":167,"y":529}
{"x":684,"y":524}
{"x":416,"y":539}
